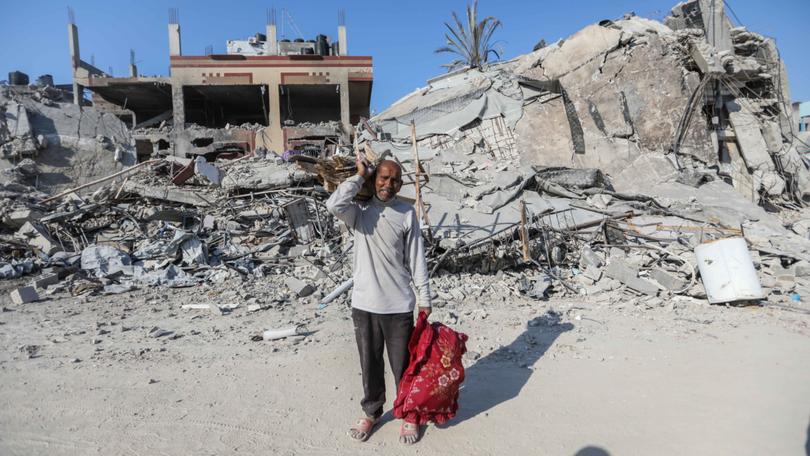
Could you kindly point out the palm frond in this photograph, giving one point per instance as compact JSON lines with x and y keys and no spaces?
{"x":470,"y":41}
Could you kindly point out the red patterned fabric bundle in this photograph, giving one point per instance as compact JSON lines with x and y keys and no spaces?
{"x":429,"y":387}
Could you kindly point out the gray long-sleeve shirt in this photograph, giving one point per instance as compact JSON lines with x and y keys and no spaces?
{"x":388,"y":251}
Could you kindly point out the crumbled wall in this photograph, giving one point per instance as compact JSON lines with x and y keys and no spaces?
{"x":71,"y":145}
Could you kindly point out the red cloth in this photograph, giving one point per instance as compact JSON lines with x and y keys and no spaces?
{"x":428,"y":390}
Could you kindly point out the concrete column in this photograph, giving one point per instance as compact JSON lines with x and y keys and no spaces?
{"x":178,"y":107}
{"x":175,"y":47}
{"x":73,"y":41}
{"x":272,"y":42}
{"x":276,"y":134}
{"x":75,"y":59}
{"x":718,"y":33}
{"x":78,"y":93}
{"x":344,"y":106}
{"x":343,"y":45}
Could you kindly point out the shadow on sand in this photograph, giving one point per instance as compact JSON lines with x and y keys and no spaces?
{"x":807,"y":442}
{"x":592,"y":451}
{"x":499,"y":377}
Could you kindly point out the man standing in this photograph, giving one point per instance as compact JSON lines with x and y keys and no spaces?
{"x":388,"y":256}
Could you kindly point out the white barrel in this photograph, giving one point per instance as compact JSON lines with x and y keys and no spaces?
{"x":727,"y":271}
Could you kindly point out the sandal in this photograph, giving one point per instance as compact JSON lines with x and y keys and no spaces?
{"x":361,"y":430}
{"x":408,"y":433}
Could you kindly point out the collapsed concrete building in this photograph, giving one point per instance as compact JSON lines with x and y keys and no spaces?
{"x":692,"y":111}
{"x":597,"y":163}
{"x":297,"y":94}
{"x":640,"y":100}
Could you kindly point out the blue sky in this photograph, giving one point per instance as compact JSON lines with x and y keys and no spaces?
{"x":400,"y":35}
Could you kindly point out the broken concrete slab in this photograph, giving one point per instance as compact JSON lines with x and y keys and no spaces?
{"x":299,"y":221}
{"x":628,"y":276}
{"x":752,"y":144}
{"x":176,"y":195}
{"x":37,"y":236}
{"x":589,"y":43}
{"x":18,"y":218}
{"x":667,"y":280}
{"x":299,"y":287}
{"x":257,"y":175}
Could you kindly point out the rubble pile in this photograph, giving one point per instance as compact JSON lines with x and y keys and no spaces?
{"x":610,"y":156}
{"x":144,"y":231}
{"x":597,"y":165}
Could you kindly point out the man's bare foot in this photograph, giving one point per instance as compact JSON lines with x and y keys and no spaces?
{"x":362,"y":429}
{"x":408,"y":433}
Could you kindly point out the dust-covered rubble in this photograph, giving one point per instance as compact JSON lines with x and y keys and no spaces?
{"x":586,"y":168}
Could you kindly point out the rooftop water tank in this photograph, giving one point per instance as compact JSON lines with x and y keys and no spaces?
{"x":321,"y":45}
{"x":17,"y":78}
{"x":45,"y":80}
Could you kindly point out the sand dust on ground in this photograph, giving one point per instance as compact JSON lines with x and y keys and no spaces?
{"x":85,"y":376}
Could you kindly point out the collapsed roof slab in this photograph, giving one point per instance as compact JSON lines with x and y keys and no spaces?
{"x":146,"y":97}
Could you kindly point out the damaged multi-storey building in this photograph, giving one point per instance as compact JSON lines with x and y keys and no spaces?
{"x":300,"y":95}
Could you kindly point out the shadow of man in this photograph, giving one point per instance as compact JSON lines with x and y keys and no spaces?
{"x":807,"y":442}
{"x":592,"y":451}
{"x":501,"y":375}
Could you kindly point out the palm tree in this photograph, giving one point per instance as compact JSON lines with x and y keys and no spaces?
{"x":470,"y":41}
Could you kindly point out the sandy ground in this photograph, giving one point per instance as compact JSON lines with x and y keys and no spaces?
{"x":594,"y":376}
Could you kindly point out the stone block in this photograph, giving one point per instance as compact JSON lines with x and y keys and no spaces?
{"x":299,"y":287}
{"x":24,"y":295}
{"x":45,"y":280}
{"x":18,"y":218}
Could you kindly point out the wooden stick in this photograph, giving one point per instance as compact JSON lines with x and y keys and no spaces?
{"x":103,"y":179}
{"x":524,"y":233}
{"x":120,"y":188}
{"x":420,"y":209}
{"x":416,"y":163}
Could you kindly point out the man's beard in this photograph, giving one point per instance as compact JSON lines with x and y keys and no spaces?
{"x":386,"y":193}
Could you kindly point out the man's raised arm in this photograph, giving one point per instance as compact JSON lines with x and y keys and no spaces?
{"x":341,"y":203}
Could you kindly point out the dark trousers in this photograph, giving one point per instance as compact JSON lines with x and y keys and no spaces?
{"x":373,"y":332}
